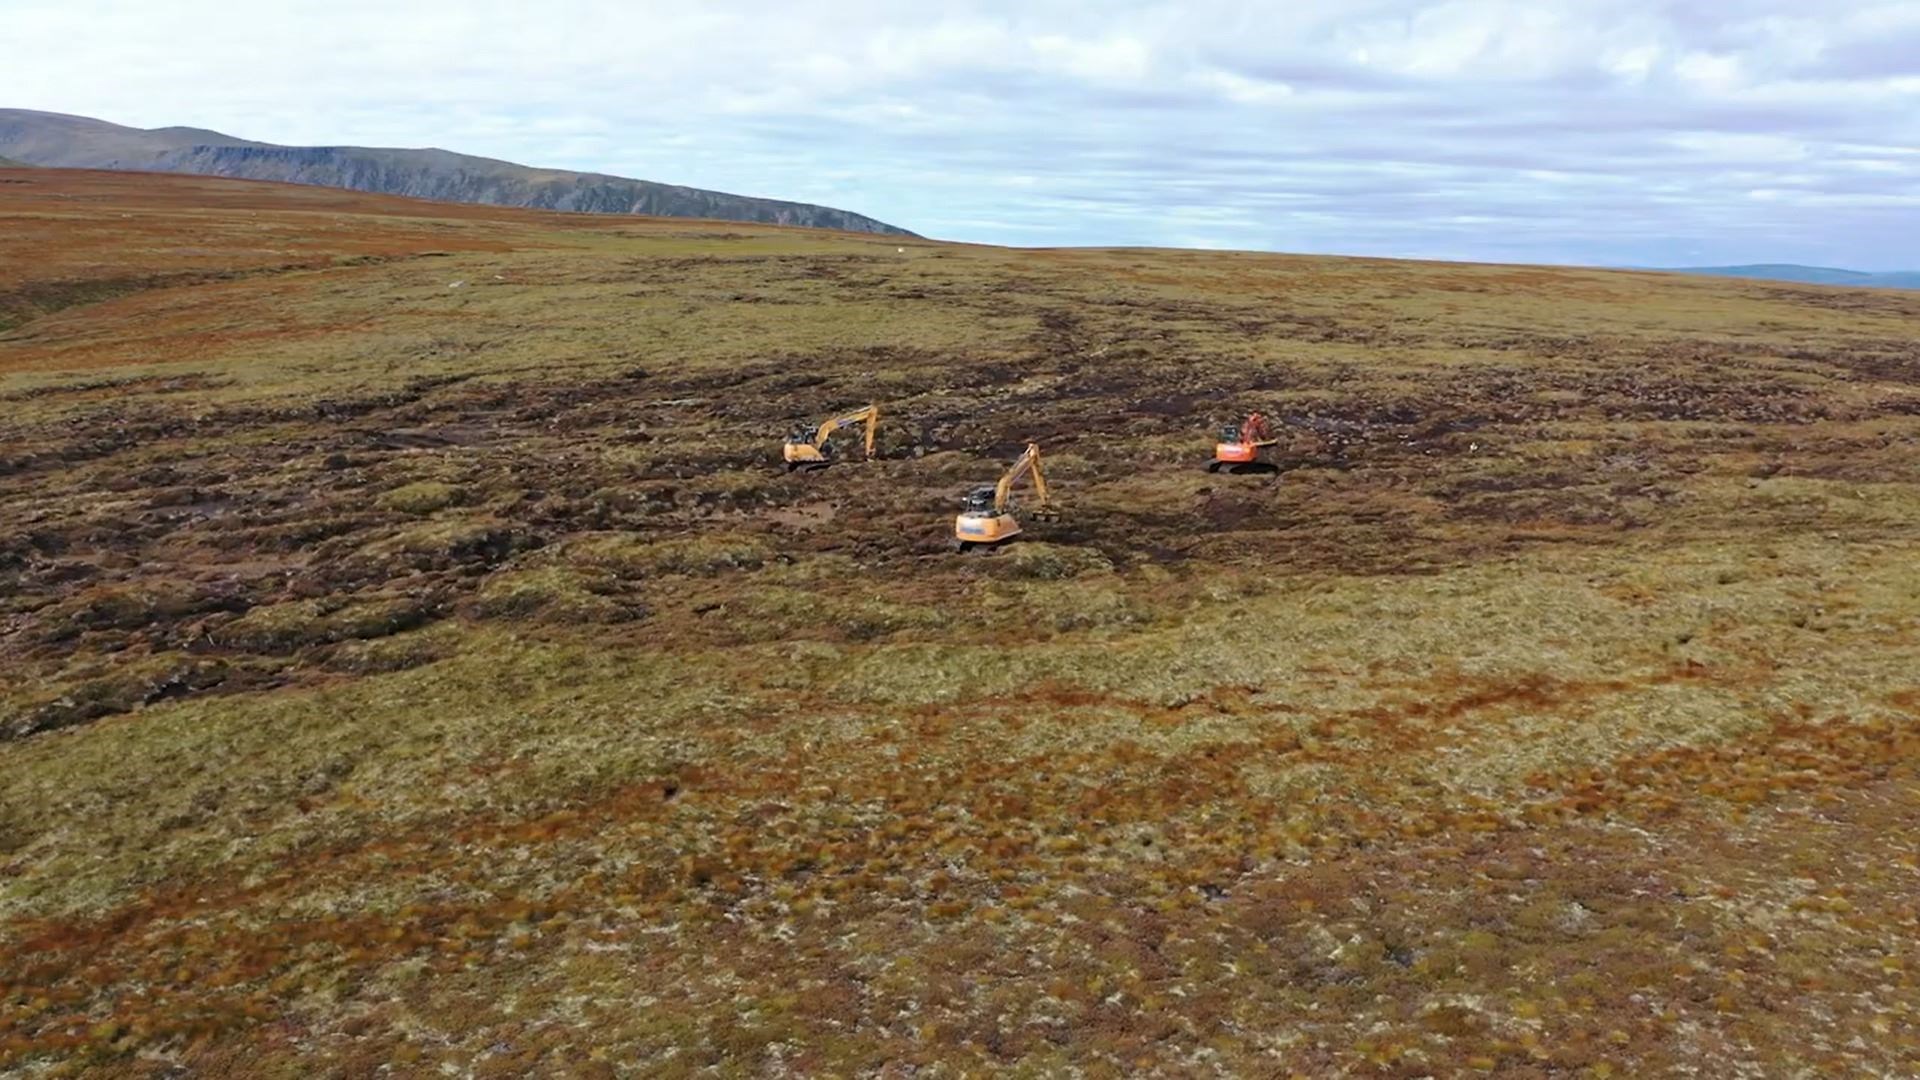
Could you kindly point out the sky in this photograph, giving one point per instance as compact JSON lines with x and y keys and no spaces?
{"x":1604,"y":132}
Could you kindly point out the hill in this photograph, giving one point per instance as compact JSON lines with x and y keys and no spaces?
{"x":1811,"y":275}
{"x":42,"y":138}
{"x":416,"y":655}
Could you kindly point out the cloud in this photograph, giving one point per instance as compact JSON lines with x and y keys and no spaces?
{"x":1610,"y":131}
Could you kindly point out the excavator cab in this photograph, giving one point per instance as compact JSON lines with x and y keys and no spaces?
{"x":979,"y":500}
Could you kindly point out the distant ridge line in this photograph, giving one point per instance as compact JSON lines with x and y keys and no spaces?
{"x":1806,"y":275}
{"x":59,"y":140}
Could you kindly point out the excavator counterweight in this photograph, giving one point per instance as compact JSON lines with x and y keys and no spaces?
{"x":808,"y":448}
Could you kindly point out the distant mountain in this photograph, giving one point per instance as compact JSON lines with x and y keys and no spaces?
{"x":55,"y":139}
{"x":9,"y":163}
{"x":1810,"y":275}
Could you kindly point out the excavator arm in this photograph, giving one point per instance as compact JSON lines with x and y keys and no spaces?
{"x":871,"y":414}
{"x":1029,"y":463}
{"x":1256,"y":432}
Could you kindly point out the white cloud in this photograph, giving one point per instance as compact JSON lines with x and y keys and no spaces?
{"x":1633,"y":62}
{"x":1110,"y":59}
{"x":1632,"y":131}
{"x":1710,"y":71}
{"x":1244,"y":91}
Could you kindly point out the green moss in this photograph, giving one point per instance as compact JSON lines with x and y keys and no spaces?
{"x":421,"y":498}
{"x":1052,"y":562}
{"x":377,"y":656}
{"x":298,"y":624}
{"x":484,"y":539}
{"x":121,"y":607}
{"x":630,"y":556}
{"x":122,"y":687}
{"x":1082,"y":604}
{"x":787,"y":614}
{"x":556,"y":594}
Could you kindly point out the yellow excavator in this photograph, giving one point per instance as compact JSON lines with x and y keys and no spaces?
{"x":988,"y":517}
{"x":807,"y":448}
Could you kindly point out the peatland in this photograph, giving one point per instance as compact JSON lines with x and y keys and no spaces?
{"x":416,"y":658}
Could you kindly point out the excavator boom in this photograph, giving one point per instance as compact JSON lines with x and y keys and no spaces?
{"x":871,"y":414}
{"x":1029,"y":462}
{"x":1255,"y":432}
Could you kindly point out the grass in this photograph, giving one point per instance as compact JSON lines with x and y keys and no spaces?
{"x":554,"y":594}
{"x":451,"y":677}
{"x":420,"y":498}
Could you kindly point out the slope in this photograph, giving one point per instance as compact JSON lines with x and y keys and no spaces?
{"x":418,"y":657}
{"x":55,"y":139}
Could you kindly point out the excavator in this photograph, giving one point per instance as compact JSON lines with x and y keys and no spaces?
{"x":1239,"y":447}
{"x":988,"y":513}
{"x":807,"y":448}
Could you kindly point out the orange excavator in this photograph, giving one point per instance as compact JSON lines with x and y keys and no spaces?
{"x":988,"y":516}
{"x":807,"y":448}
{"x":1239,"y":447}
